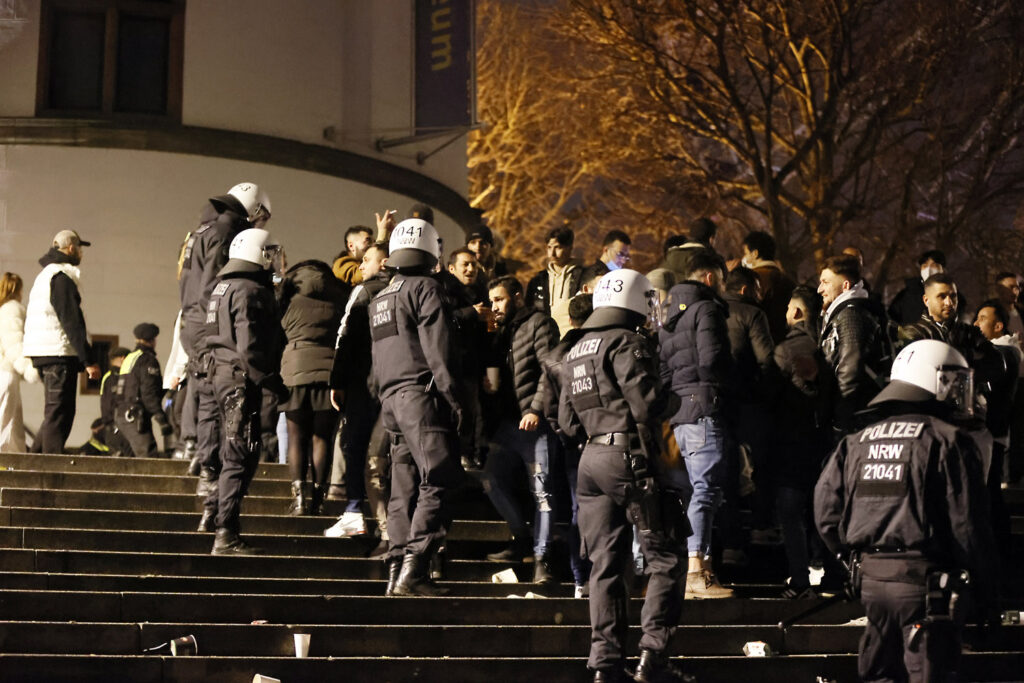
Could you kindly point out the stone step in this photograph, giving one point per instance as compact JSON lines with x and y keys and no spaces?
{"x":994,"y":666}
{"x":130,"y":520}
{"x":231,"y":640}
{"x":139,"y":483}
{"x":193,"y":542}
{"x":238,"y":608}
{"x":36,"y":462}
{"x":273,"y":586}
{"x":470,"y":505}
{"x":269,"y":566}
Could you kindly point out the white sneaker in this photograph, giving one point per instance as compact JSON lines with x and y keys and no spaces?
{"x":578,"y":593}
{"x":349,"y":524}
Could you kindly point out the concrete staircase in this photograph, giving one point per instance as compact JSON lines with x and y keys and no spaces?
{"x":100,"y":561}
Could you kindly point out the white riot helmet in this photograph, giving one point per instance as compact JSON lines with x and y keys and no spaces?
{"x":622,"y":292}
{"x":414,"y":244}
{"x":930,"y":370}
{"x":255,"y":246}
{"x":253,"y":199}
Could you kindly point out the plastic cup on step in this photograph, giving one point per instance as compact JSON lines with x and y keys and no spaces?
{"x":302,"y":644}
{"x":505,"y":576}
{"x":260,"y":678}
{"x":184,"y":646}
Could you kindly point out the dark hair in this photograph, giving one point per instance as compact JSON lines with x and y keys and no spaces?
{"x":1002,"y":275}
{"x":997,"y":306}
{"x":507,"y":282}
{"x":357,"y":229}
{"x":939,"y":279}
{"x":845,"y":265}
{"x":702,"y":230}
{"x":423,"y":212}
{"x":382,"y":247}
{"x":811,"y":301}
{"x":762,"y":243}
{"x":118,"y":352}
{"x":454,"y":256}
{"x":562,"y":235}
{"x":740,"y":277}
{"x":933,"y":254}
{"x":580,"y":308}
{"x":703,"y":260}
{"x":615,"y":235}
{"x":674,"y":241}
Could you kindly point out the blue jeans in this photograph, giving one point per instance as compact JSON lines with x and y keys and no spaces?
{"x":509,"y":446}
{"x":702,"y":445}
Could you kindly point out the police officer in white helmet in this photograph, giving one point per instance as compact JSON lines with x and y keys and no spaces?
{"x":243,"y":332}
{"x":244,"y":206}
{"x":906,"y":498}
{"x":613,"y":398}
{"x":414,"y":366}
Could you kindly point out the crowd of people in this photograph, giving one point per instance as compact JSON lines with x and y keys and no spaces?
{"x":721,"y":380}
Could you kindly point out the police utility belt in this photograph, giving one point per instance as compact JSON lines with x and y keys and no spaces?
{"x":623,"y":439}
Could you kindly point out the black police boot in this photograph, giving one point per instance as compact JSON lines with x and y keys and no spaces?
{"x":515,"y":552}
{"x":208,"y":478}
{"x":207,"y":523}
{"x":394,"y":566}
{"x":438,"y":565}
{"x":228,"y":542}
{"x":655,"y":667}
{"x":299,"y":501}
{"x":614,"y":675}
{"x":414,"y":579}
{"x":542,"y":570}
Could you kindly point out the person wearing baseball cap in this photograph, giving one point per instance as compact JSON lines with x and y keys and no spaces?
{"x":56,"y":339}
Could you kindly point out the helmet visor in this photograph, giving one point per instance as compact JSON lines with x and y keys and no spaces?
{"x":955,"y":385}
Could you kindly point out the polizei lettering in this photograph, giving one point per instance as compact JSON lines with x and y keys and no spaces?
{"x":587,"y":347}
{"x":892,"y":430}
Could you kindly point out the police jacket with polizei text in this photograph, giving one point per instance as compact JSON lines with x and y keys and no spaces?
{"x":610,"y":383}
{"x":412,"y":338}
{"x":352,"y":351}
{"x":206,"y":252}
{"x":696,"y":362}
{"x":553,"y":364}
{"x":910,"y":485}
{"x":244,"y":329}
{"x":140,"y":383}
{"x":526,"y":338}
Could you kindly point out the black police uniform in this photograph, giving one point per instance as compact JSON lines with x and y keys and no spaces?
{"x":414,"y":367}
{"x":140,"y":392}
{"x":243,"y":338}
{"x":113,"y":438}
{"x":611,"y":385}
{"x":907,"y":493}
{"x":206,"y":252}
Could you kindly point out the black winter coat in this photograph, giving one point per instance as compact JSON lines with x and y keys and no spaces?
{"x":206,"y":252}
{"x":312,"y":303}
{"x":853,"y":343}
{"x":353,"y":356}
{"x":246,"y":328}
{"x":524,"y":341}
{"x":696,"y":362}
{"x":750,"y":341}
{"x":538,"y":294}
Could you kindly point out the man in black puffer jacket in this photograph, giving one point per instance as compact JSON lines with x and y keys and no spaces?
{"x":697,"y":365}
{"x":524,"y":336}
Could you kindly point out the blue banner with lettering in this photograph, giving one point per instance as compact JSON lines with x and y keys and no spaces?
{"x":444,"y":64}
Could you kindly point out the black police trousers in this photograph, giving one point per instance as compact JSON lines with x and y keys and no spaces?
{"x":138,"y":433}
{"x":887,"y":650}
{"x":207,"y":429}
{"x":239,"y":401}
{"x":607,"y":535}
{"x":424,"y":467}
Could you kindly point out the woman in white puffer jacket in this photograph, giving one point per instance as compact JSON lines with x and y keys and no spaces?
{"x":13,"y":365}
